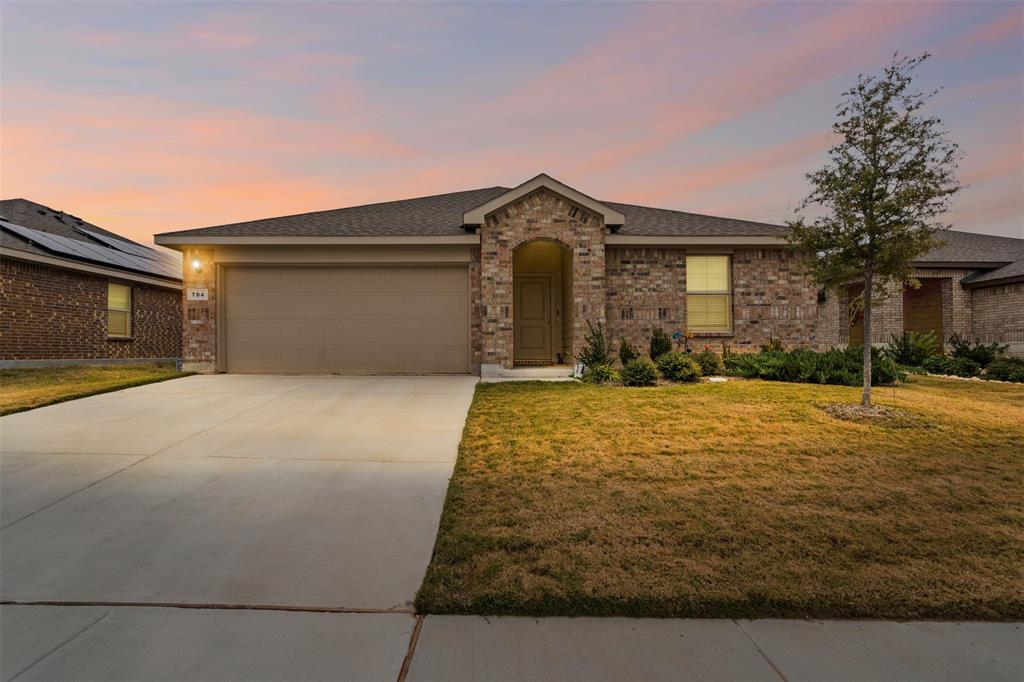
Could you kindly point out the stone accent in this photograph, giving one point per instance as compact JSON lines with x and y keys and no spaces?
{"x":772,"y":298}
{"x":540,"y":215}
{"x":999,"y":315}
{"x":50,"y":313}
{"x":199,"y":324}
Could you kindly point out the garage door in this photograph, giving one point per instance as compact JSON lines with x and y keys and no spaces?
{"x":352,"y":320}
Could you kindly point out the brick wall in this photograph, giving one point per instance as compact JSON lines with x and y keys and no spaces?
{"x":476,"y":312}
{"x":999,"y":315}
{"x":199,"y":323}
{"x":772,"y":298}
{"x":887,"y":318}
{"x":49,"y":313}
{"x":540,"y":215}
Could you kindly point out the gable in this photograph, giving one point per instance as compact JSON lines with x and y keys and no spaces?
{"x":476,"y":217}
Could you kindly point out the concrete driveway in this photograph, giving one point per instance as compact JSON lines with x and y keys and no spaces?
{"x":304,"y":497}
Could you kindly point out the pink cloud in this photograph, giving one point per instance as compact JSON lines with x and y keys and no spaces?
{"x":989,"y":34}
{"x":702,"y":178}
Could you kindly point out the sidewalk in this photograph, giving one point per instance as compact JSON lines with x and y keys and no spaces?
{"x":160,"y":643}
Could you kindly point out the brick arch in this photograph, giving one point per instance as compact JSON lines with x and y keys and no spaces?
{"x":539,"y":215}
{"x":551,"y":240}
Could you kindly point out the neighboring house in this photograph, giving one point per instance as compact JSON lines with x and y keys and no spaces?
{"x":971,"y":286}
{"x":481,"y":281}
{"x":73,"y":292}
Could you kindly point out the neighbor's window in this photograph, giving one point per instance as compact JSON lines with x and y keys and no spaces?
{"x":119,"y":309}
{"x":708,"y":297}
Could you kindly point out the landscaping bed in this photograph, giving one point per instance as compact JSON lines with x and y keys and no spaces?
{"x":25,"y":389}
{"x":735,"y":499}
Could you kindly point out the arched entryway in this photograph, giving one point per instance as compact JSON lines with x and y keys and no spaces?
{"x":542,"y":303}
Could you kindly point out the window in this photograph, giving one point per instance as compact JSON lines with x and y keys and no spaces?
{"x":119,"y":309}
{"x":708,"y":294}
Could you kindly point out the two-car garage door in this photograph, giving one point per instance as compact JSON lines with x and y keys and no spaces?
{"x":346,"y":319}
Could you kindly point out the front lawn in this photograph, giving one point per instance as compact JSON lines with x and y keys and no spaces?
{"x":736,"y":499}
{"x":24,"y":389}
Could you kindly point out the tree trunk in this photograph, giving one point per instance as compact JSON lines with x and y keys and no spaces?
{"x":865,"y":400}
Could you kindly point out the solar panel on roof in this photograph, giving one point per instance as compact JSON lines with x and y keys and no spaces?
{"x":125,"y":246}
{"x":91,"y":252}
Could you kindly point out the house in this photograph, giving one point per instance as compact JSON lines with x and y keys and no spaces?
{"x":484,"y":280}
{"x":971,"y":286}
{"x":72,"y":292}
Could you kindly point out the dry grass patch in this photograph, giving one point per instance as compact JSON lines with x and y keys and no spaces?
{"x":738,"y":499}
{"x":25,"y":389}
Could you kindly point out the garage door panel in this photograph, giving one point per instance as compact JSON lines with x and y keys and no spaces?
{"x":347,"y":319}
{"x":425,"y":305}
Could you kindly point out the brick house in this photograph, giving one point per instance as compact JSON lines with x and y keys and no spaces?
{"x":72,"y":292}
{"x":485,"y":280}
{"x":971,"y":286}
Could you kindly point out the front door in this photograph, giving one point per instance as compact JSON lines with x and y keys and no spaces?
{"x":531,"y":319}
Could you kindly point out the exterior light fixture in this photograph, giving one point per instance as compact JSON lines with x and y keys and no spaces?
{"x":197,"y":265}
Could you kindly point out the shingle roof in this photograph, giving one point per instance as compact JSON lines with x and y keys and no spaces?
{"x":971,"y":247}
{"x":36,"y":216}
{"x":43,"y":218}
{"x":441,"y":215}
{"x":1014,"y":271}
{"x":437,"y":215}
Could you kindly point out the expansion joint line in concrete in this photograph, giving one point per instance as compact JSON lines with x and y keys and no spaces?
{"x":214,"y":606}
{"x":760,"y":650}
{"x":407,"y":662}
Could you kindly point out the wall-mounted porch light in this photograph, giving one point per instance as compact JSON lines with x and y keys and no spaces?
{"x":197,"y":265}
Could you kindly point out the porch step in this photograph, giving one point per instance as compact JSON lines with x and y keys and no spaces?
{"x":547,"y":373}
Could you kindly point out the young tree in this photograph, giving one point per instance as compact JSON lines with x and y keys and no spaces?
{"x":889,"y":178}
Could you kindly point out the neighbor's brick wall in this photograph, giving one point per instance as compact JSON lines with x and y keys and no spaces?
{"x":772,"y":298}
{"x":49,"y":313}
{"x":539,"y":215}
{"x":887,"y":318}
{"x":199,"y":322}
{"x":999,"y":315}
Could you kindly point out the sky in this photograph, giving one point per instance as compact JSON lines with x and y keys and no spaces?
{"x":144,"y":117}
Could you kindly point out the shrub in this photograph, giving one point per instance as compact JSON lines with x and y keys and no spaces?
{"x":595,"y":348}
{"x":627,"y":352}
{"x":661,"y":343}
{"x":938,"y":364}
{"x":678,"y":367}
{"x":710,"y":363}
{"x":844,"y":367}
{"x":1007,"y":369}
{"x":911,"y":348}
{"x":772,"y":346}
{"x":965,"y":367}
{"x":639,"y":372}
{"x":981,"y":353}
{"x":944,"y":364}
{"x":601,"y":374}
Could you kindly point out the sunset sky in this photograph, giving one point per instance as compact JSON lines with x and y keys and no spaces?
{"x":146,"y":117}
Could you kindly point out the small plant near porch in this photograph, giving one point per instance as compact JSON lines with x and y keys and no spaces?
{"x":889,"y":178}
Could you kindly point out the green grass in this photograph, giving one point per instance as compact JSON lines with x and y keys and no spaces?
{"x":741,"y":499}
{"x":26,"y":389}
